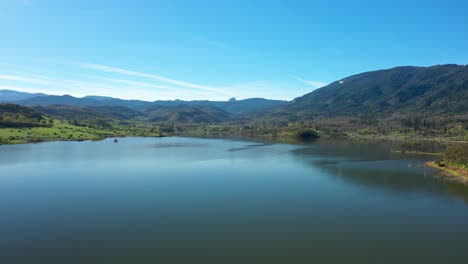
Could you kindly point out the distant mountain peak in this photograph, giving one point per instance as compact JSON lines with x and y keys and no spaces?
{"x":233,"y":99}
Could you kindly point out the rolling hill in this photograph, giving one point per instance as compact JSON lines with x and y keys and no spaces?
{"x":233,"y":106}
{"x":12,"y":115}
{"x":187,"y":114}
{"x":67,"y":112}
{"x":182,"y":114}
{"x":252,"y":105}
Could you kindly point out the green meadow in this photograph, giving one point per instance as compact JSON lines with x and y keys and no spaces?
{"x":59,"y":131}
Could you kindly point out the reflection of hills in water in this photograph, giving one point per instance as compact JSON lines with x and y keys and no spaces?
{"x":374,"y":165}
{"x":247,"y":147}
{"x":369,"y":150}
{"x":178,"y":145}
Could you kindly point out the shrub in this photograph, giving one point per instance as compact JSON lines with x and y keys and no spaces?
{"x":365,"y":131}
{"x":35,"y":140}
{"x":457,"y":155}
{"x":308,"y":134}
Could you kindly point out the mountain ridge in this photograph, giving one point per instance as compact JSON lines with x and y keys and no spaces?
{"x":236,"y":107}
{"x":439,"y":89}
{"x":7,"y":96}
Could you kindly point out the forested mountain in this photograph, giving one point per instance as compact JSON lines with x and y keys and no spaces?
{"x":182,"y":114}
{"x":233,"y":106}
{"x":67,"y":112}
{"x":441,"y":89}
{"x":187,"y":114}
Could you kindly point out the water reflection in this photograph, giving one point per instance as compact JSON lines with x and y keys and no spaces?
{"x":374,"y":165}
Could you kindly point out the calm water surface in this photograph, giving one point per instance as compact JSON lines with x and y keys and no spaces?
{"x":186,"y":200}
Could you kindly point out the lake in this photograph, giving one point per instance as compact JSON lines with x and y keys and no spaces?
{"x":189,"y":200}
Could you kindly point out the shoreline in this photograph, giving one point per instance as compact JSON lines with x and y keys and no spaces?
{"x":281,"y":139}
{"x":77,"y":140}
{"x":450,"y":172}
{"x":418,"y":152}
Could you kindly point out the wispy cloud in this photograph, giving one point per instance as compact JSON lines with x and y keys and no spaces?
{"x":134,"y":83}
{"x":315,"y":84}
{"x":97,"y":85}
{"x":212,"y":43}
{"x":110,"y":69}
{"x":98,"y":79}
{"x":35,"y":83}
{"x":17,"y":78}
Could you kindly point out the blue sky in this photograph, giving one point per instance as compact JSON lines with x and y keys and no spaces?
{"x":218,"y":49}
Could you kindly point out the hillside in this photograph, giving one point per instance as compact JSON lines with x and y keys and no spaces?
{"x":20,"y":124}
{"x":12,"y":115}
{"x":110,"y":101}
{"x":233,"y":106}
{"x":174,"y":114}
{"x":66,"y":112}
{"x":187,"y":114}
{"x":441,"y":89}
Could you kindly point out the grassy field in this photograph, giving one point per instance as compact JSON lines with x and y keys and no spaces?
{"x":63,"y":131}
{"x":58,"y":131}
